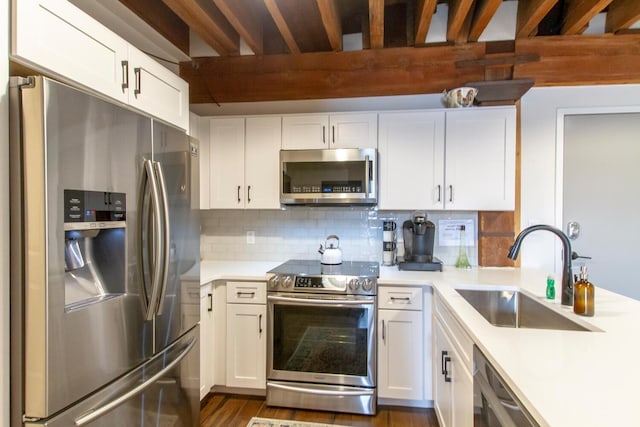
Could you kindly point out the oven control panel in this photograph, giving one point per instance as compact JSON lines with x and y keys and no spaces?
{"x":336,"y":284}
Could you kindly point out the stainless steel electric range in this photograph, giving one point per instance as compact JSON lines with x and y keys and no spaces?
{"x":322,"y":336}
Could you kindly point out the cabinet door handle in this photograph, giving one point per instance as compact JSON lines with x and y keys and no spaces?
{"x":138,"y":89}
{"x":447,"y":377}
{"x":442,"y":355}
{"x":238,"y":194}
{"x":439,"y":193}
{"x":260,"y":324}
{"x":384,"y":339}
{"x":333,"y":134}
{"x":248,"y":194}
{"x":125,"y":75}
{"x":210,"y":296}
{"x":324,"y":140}
{"x":451,"y":193}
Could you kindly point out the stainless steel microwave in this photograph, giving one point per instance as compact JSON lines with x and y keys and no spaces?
{"x":344,"y":176}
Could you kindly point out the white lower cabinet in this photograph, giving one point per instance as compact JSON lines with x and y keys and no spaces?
{"x":246,"y":343}
{"x":207,"y":349}
{"x":453,"y":381}
{"x":403,"y":326}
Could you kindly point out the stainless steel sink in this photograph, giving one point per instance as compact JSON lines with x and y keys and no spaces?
{"x":514,"y":309}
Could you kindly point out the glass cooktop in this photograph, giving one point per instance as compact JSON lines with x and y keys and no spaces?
{"x":303,"y":267}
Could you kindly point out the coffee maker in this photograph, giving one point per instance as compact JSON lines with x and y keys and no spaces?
{"x":419,"y":236}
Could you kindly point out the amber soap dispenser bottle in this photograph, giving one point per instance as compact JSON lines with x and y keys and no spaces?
{"x":583,"y":294}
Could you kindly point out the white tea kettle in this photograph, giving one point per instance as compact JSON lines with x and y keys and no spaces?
{"x":331,"y":255}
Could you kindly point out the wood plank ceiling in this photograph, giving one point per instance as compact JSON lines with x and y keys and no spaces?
{"x":295,"y":47}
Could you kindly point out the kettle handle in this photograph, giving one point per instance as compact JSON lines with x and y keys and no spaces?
{"x":333,"y":236}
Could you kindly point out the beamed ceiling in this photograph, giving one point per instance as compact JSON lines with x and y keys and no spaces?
{"x":293,"y":49}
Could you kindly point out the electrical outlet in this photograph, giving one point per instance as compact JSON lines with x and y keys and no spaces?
{"x":251,"y":237}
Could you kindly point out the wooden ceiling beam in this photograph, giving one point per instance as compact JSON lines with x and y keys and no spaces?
{"x":579,"y":13}
{"x":485,"y":9}
{"x":529,"y":15}
{"x":163,"y":20}
{"x":281,"y":23}
{"x":458,"y":11}
{"x":376,"y":24}
{"x":580,"y":59}
{"x":564,"y":61}
{"x":369,"y":72}
{"x":424,"y":13}
{"x":331,"y":21}
{"x":209,"y":23}
{"x":621,"y":15}
{"x":245,"y":21}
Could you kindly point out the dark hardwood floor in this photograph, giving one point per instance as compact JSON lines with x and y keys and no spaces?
{"x":236,"y":411}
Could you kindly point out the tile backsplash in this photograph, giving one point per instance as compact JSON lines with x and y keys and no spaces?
{"x":296,"y":233}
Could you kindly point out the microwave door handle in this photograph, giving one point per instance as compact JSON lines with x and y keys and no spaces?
{"x":367,"y":175}
{"x":494,"y":402}
{"x":166,"y":242}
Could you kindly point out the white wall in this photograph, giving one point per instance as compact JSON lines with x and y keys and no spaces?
{"x":539,"y":133}
{"x":4,"y":214}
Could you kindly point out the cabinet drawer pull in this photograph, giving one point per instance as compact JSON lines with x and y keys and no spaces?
{"x":407,"y":299}
{"x":333,"y":134}
{"x":447,"y":377}
{"x":125,"y":75}
{"x":260,"y":324}
{"x":238,"y":194}
{"x":241,"y":294}
{"x":451,"y":193}
{"x":439,"y":193}
{"x":383,"y":335}
{"x":138,"y":89}
{"x":248,"y":194}
{"x":210,"y":296}
{"x":324,"y":139}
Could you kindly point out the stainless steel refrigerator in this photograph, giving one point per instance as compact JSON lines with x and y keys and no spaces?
{"x":104,"y":222}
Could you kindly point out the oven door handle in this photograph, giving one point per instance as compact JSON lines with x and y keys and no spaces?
{"x":321,"y":392}
{"x":315,"y":301}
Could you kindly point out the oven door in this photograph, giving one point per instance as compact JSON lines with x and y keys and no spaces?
{"x":322,"y":339}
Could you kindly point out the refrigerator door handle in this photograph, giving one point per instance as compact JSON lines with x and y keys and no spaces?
{"x":166,"y":242}
{"x":147,"y":180}
{"x":97,"y":413}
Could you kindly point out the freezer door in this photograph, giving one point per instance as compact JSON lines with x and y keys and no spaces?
{"x":162,"y":392}
{"x":177,"y":157}
{"x":77,"y":311}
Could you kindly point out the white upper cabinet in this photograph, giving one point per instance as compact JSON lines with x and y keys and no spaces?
{"x":411,"y":150}
{"x":244,"y":163}
{"x":262,"y":162}
{"x":480,"y":159}
{"x":156,"y":90}
{"x":226,"y":163}
{"x":313,"y":131}
{"x":460,"y":159}
{"x":59,"y":39}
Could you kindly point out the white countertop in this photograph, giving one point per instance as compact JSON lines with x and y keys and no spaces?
{"x":564,"y":378}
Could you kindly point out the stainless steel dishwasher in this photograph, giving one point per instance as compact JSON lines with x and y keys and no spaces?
{"x":495,"y":404}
